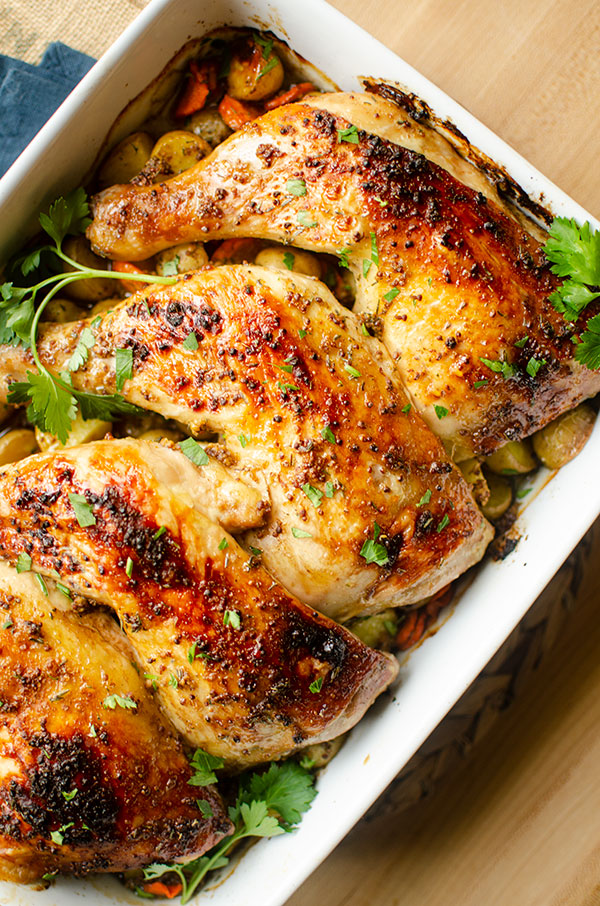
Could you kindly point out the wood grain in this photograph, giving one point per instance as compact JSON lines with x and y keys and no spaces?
{"x":519,"y":824}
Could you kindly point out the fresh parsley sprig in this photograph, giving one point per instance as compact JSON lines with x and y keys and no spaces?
{"x":574,"y":253}
{"x":52,"y":402}
{"x":268,"y":804}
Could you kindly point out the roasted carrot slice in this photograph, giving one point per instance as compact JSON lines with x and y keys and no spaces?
{"x":235,"y":250}
{"x":292,"y":94}
{"x":201,"y":81}
{"x":236,"y":114}
{"x":126,"y":267}
{"x":160,"y":889}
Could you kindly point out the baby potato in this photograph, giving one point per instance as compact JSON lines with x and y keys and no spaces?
{"x":376,"y":630}
{"x":289,"y":259}
{"x":255,"y":73}
{"x":500,"y":497}
{"x":188,"y":256}
{"x":82,"y":432}
{"x":514,"y":458}
{"x":105,"y":305}
{"x":561,"y":440}
{"x":210,"y":126}
{"x":175,"y":152}
{"x":62,"y":311}
{"x":321,"y":753}
{"x":473,"y":475}
{"x":126,"y":160}
{"x":78,"y":248}
{"x":16,"y":445}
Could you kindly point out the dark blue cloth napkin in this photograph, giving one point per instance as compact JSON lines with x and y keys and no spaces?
{"x":29,"y":95}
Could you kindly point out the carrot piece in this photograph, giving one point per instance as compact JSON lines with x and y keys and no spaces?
{"x":201,"y":81}
{"x":236,"y":114}
{"x":160,"y":889}
{"x":235,"y":250}
{"x":292,"y":94}
{"x":126,"y":267}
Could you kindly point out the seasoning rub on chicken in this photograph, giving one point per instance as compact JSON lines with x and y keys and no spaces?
{"x":240,"y":667}
{"x":361,"y":507}
{"x":92,"y":777}
{"x":457,"y":286}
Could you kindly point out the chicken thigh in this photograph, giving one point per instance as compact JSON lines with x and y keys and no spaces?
{"x":447,"y":276}
{"x":240,"y":667}
{"x":91,"y":776}
{"x":361,"y":506}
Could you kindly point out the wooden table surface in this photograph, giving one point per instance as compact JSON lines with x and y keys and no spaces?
{"x":519,"y":823}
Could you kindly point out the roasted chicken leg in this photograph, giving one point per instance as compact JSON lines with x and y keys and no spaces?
{"x":240,"y":667}
{"x":91,"y":776}
{"x":451,"y":279}
{"x":361,"y":506}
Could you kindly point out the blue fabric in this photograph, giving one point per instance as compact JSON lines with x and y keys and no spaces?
{"x":29,"y":95}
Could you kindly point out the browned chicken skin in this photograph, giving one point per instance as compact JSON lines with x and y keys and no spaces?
{"x":240,"y":667}
{"x":86,"y":784}
{"x":451,"y":276}
{"x":312,"y":415}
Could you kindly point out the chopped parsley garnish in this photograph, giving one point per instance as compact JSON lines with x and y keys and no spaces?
{"x":123,"y":367}
{"x":481,"y":383}
{"x":374,"y":250}
{"x":232,"y":618}
{"x":255,"y":551}
{"x":288,"y":260}
{"x":173,"y":681}
{"x":366,"y":267}
{"x":302,"y":333}
{"x":443,"y":523}
{"x":329,"y":489}
{"x":373,"y":551}
{"x":441,"y":411}
{"x":300,"y":533}
{"x":521,"y":343}
{"x":296,"y":186}
{"x":7,"y":623}
{"x":314,"y":494}
{"x":52,"y":402}
{"x":534,"y":365}
{"x":194,"y":452}
{"x":266,"y":44}
{"x":244,"y":441}
{"x":223,"y":543}
{"x":287,"y":368}
{"x":305,"y":220}
{"x":316,"y":685}
{"x":58,"y":836}
{"x":69,"y":796}
{"x":363,"y":330}
{"x":504,"y":368}
{"x":191,"y":342}
{"x":271,"y":64}
{"x":64,"y":590}
{"x":122,"y":701}
{"x":204,"y":766}
{"x":23,"y":563}
{"x":348,"y":135}
{"x":269,"y":803}
{"x":328,"y":435}
{"x":343,"y":256}
{"x":425,"y":498}
{"x":83,"y":510}
{"x":159,"y":533}
{"x":406,"y":409}
{"x":205,"y":807}
{"x":353,"y":372}
{"x":40,"y":581}
{"x":389,"y":297}
{"x":170,"y":268}
{"x":153,"y":679}
{"x":129,"y":567}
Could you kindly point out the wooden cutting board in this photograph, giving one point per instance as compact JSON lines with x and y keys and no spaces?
{"x":518,"y":824}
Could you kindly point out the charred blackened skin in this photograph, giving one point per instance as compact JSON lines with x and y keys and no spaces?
{"x":61,"y":766}
{"x":315,"y":640}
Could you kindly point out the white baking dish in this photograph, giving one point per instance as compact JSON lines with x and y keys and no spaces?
{"x":435,"y":675}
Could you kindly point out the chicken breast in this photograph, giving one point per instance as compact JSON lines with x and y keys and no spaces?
{"x":449,"y":278}
{"x":240,"y":667}
{"x":92,"y":778}
{"x":363,"y":507}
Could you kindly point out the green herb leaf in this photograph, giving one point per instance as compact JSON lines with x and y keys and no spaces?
{"x":129,"y":567}
{"x":122,"y":701}
{"x":353,"y":372}
{"x":343,"y":256}
{"x":374,"y":250}
{"x":123,"y":367}
{"x":288,"y":260}
{"x":23,"y":563}
{"x":302,"y":333}
{"x":205,"y":808}
{"x":534,"y":365}
{"x":329,"y":489}
{"x":521,"y":343}
{"x":304,"y":219}
{"x":191,"y":342}
{"x":316,"y":685}
{"x":441,"y":411}
{"x":366,"y":267}
{"x":69,"y":796}
{"x":328,"y":435}
{"x":314,"y":494}
{"x":348,"y":135}
{"x":244,"y":441}
{"x":443,"y":523}
{"x":204,"y":766}
{"x":82,"y":350}
{"x":286,"y":788}
{"x":68,"y":215}
{"x":406,"y":409}
{"x":58,"y":836}
{"x":232,"y":618}
{"x":373,"y":551}
{"x":192,"y":449}
{"x":479,"y":384}
{"x":52,"y":408}
{"x":158,"y":533}
{"x":574,"y":251}
{"x":271,"y":64}
{"x":83,"y":510}
{"x":425,"y":498}
{"x":300,"y":533}
{"x":223,"y":543}
{"x":588,"y":350}
{"x":389,"y":297}
{"x":296,"y":186}
{"x":504,"y":368}
{"x":171,"y":268}
{"x":266,"y":44}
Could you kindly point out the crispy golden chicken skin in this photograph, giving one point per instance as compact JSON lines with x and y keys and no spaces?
{"x":92,"y":778}
{"x":452,"y":277}
{"x":241,"y":668}
{"x":312,"y":416}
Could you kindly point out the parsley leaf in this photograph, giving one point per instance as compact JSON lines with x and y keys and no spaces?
{"x":83,"y":510}
{"x":123,"y":701}
{"x":374,"y":249}
{"x":232,"y":618}
{"x":314,"y":494}
{"x":389,"y":297}
{"x":191,"y":342}
{"x":271,"y":64}
{"x":574,"y":251}
{"x":504,"y":368}
{"x":68,"y":215}
{"x":288,"y":260}
{"x":170,"y":268}
{"x":534,"y":365}
{"x":204,"y":766}
{"x":23,"y":563}
{"x":300,"y":533}
{"x":123,"y":367}
{"x":373,"y":551}
{"x":82,"y":350}
{"x":353,"y":372}
{"x":285,"y":788}
{"x":441,"y":411}
{"x":588,"y":350}
{"x":328,"y":435}
{"x":343,"y":256}
{"x":425,"y":498}
{"x":296,"y":186}
{"x":305,"y":220}
{"x":348,"y":135}
{"x":194,"y":452}
{"x":51,"y":407}
{"x":316,"y":685}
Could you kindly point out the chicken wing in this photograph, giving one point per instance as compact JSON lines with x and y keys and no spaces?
{"x":91,"y":776}
{"x":240,"y":667}
{"x":449,"y":277}
{"x":364,"y":507}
